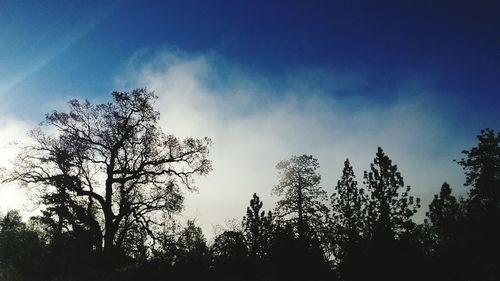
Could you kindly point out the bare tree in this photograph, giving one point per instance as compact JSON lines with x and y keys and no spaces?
{"x":115,"y":160}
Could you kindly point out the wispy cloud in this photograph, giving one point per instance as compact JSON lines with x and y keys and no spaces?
{"x":55,"y":46}
{"x":257,"y":121}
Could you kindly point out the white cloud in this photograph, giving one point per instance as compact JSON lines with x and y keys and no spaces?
{"x":12,"y":131}
{"x":255,"y":123}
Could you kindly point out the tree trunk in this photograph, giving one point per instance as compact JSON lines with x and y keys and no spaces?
{"x":109,"y":231}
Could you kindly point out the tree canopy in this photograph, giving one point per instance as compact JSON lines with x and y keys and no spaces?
{"x":390,"y":208}
{"x":113,"y":164}
{"x":302,"y":201}
{"x":349,"y":205}
{"x":111,"y":183}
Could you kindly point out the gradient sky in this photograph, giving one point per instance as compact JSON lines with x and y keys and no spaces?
{"x":266,"y":80}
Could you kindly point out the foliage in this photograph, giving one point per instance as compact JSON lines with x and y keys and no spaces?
{"x":302,"y":199}
{"x":257,"y":229}
{"x":294,"y":258}
{"x":192,"y":250}
{"x":229,"y":255}
{"x":111,"y":181}
{"x":22,"y":251}
{"x":448,"y":234}
{"x":109,"y":168}
{"x":481,"y":165}
{"x":445,"y":214}
{"x":390,"y":210}
{"x":349,"y":218}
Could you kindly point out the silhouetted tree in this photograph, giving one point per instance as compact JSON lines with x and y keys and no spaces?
{"x":390,"y":209}
{"x":302,"y":203}
{"x":291,"y":258}
{"x":188,"y":257}
{"x":229,"y":254}
{"x":12,"y":221}
{"x":258,"y":232}
{"x":192,"y":247}
{"x":349,"y":218}
{"x":257,"y":229}
{"x":134,"y":243}
{"x":74,"y":233}
{"x":482,"y":170}
{"x":388,"y":253}
{"x":22,"y":250}
{"x":445,"y":214}
{"x":113,"y":156}
{"x":448,"y":235}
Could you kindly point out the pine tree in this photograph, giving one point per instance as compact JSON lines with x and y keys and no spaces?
{"x":257,"y":229}
{"x":390,"y":210}
{"x":447,"y":234}
{"x":302,"y":203}
{"x":349,"y":206}
{"x":388,"y":253}
{"x":482,"y":170}
{"x":444,"y":214}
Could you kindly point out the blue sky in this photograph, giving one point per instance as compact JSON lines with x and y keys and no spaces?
{"x":417,"y":77}
{"x":81,"y":44}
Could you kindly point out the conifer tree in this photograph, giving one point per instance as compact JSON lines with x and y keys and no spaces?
{"x":447,"y":235}
{"x":257,"y":229}
{"x":444,"y":213}
{"x":349,"y":206}
{"x":482,"y":170}
{"x":302,"y":198}
{"x":390,"y":209}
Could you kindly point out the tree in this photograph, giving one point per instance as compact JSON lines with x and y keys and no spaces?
{"x":445,"y":214}
{"x":12,"y":221}
{"x":257,"y":229}
{"x":302,"y":202}
{"x":389,"y":251}
{"x":389,"y":209}
{"x":192,"y":246}
{"x":482,"y":170}
{"x":22,"y":250}
{"x":291,"y":258}
{"x":113,"y":160}
{"x":448,"y":235}
{"x":349,"y":218}
{"x":192,"y":255}
{"x":63,"y":214}
{"x":229,"y":254}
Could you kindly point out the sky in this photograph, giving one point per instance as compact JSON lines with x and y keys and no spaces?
{"x":265,"y":80}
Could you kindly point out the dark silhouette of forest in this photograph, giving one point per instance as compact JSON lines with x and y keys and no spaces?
{"x":110,"y":183}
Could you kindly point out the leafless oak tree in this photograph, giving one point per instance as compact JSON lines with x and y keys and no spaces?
{"x":113,"y":158}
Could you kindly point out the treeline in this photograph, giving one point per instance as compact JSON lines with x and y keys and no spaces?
{"x":110,"y":182}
